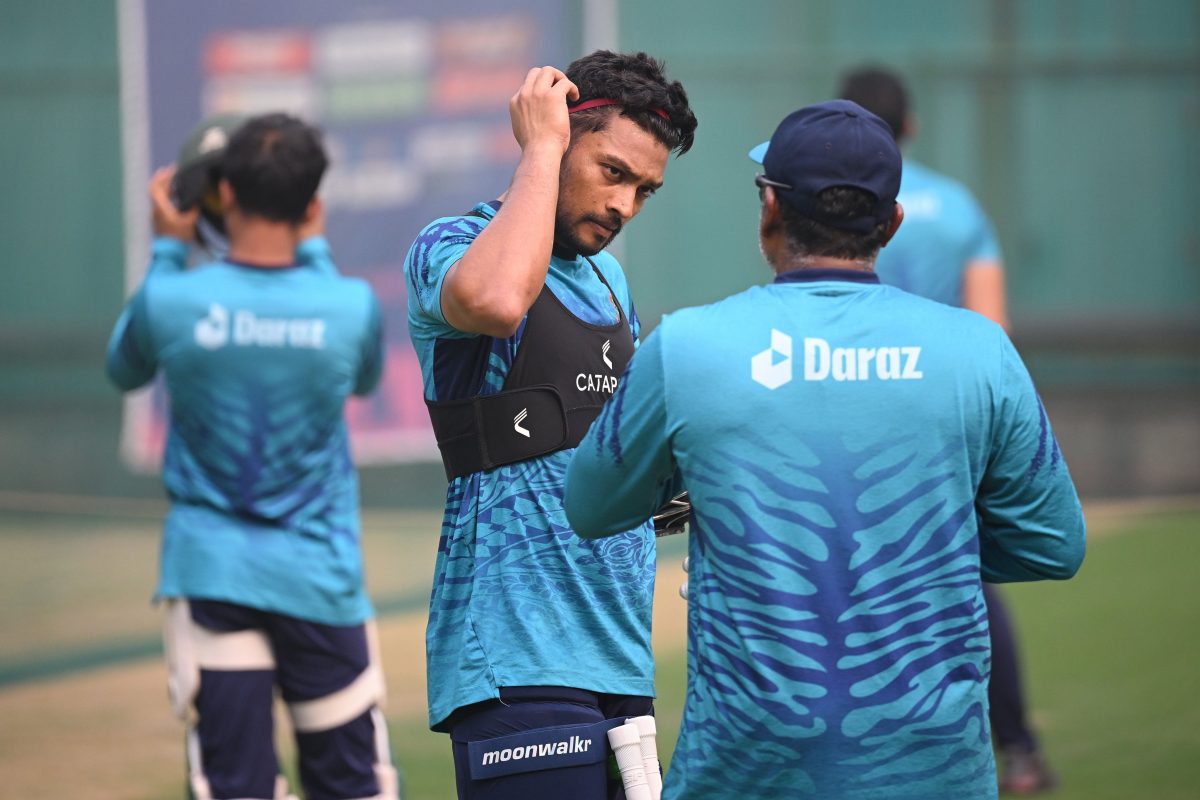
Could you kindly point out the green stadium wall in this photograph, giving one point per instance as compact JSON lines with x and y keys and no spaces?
{"x":1074,"y":121}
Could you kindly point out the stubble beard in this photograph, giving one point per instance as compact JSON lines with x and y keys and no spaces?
{"x":565,"y":238}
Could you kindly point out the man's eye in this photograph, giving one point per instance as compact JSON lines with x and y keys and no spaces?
{"x":612,"y":171}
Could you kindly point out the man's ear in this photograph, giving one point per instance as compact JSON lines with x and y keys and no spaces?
{"x":315,"y":210}
{"x":770,"y":216}
{"x":313,"y":223}
{"x":228,"y":199}
{"x":894,"y":224}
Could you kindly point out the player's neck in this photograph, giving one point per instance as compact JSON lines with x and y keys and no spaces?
{"x":781,"y":256}
{"x":262,"y":243}
{"x":823,"y":262}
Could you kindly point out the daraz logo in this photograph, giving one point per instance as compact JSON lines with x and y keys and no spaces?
{"x":773,"y":367}
{"x":244,"y":328}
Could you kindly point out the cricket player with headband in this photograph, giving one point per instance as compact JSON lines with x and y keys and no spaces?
{"x":539,"y":641}
{"x":858,"y":459}
{"x":260,"y":568}
{"x":947,"y":251}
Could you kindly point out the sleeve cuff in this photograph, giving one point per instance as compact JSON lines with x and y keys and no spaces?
{"x":313,"y":245}
{"x":167,"y":250}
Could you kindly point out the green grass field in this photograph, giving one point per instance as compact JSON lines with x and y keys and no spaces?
{"x":1111,"y":657}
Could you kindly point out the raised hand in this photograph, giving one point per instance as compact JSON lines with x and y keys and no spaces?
{"x":165,"y":217}
{"x":539,"y":109}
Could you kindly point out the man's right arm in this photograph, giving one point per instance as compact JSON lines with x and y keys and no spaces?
{"x":490,"y":289}
{"x":131,"y":359}
{"x":1031,"y":522}
{"x":370,"y":368}
{"x":983,"y":288}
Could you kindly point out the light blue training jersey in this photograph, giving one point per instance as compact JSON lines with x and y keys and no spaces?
{"x":944,"y":229}
{"x":518,"y":598}
{"x":857,"y":459}
{"x":258,"y":364}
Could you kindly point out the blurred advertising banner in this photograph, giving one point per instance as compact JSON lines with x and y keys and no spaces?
{"x":413,"y":100}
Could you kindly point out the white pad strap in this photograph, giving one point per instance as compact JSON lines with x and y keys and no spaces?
{"x":385,"y":773}
{"x":375,"y":661}
{"x":196,"y":780}
{"x":338,"y":708}
{"x":183,"y":671}
{"x":232,"y":652}
{"x":281,"y":789}
{"x":191,"y":647}
{"x":367,"y":691}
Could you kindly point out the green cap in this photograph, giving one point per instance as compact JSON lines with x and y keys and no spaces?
{"x":200,"y":156}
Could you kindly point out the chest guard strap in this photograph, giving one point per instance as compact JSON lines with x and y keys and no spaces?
{"x":480,"y":433}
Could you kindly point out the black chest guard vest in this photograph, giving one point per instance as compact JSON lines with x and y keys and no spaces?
{"x":564,"y":371}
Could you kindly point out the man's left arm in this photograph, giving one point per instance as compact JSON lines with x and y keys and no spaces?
{"x":313,"y":248}
{"x":1031,"y":523}
{"x":623,"y":469}
{"x":314,"y":251}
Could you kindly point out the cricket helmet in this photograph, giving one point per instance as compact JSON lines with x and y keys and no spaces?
{"x":197,"y":174}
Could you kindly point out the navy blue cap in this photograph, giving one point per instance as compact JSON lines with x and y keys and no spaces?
{"x":836,"y":143}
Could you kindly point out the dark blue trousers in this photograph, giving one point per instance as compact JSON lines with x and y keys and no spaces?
{"x":236,"y":725}
{"x":1006,"y":698}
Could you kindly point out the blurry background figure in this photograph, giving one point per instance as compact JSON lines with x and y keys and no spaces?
{"x":260,"y":566}
{"x":947,"y":251}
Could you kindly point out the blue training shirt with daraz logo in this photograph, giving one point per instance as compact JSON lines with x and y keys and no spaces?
{"x":518,"y":598}
{"x":258,"y":365}
{"x":858,"y":459}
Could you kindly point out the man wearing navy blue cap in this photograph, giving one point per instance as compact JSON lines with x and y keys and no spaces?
{"x":858,"y":460}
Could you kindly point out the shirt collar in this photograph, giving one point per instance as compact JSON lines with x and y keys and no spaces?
{"x":814,"y":274}
{"x":267,"y":267}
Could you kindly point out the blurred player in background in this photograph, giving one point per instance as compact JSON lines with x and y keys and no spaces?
{"x":947,"y":251}
{"x":524,"y":324}
{"x":261,"y":566}
{"x":850,"y":485}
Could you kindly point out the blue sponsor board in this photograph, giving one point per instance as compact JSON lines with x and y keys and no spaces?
{"x":413,"y":101}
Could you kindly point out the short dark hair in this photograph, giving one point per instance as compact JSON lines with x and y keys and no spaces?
{"x":879,"y":91}
{"x":275,"y":162}
{"x":807,"y":237}
{"x":636,"y":81}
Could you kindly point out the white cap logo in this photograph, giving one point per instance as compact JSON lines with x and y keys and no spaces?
{"x":213,"y":139}
{"x":773,"y":366}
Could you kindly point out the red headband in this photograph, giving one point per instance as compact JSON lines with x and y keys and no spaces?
{"x":605,"y":101}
